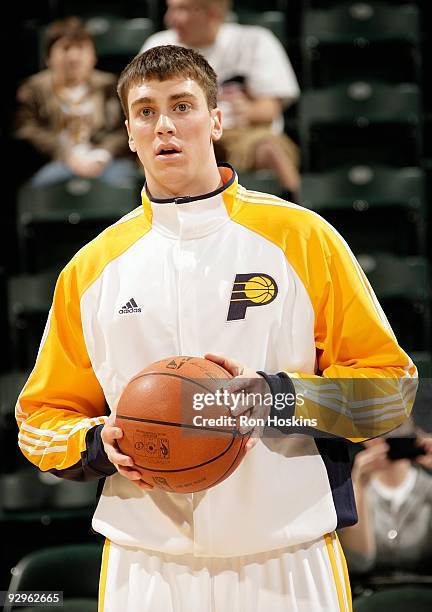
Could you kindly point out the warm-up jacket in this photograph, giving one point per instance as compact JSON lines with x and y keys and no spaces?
{"x":180,"y":278}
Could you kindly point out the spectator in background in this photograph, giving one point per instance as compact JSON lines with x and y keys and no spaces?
{"x":394,"y":505}
{"x":71,"y":114}
{"x":256,"y":81}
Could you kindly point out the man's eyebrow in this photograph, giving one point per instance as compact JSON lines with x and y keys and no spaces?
{"x":143,"y":100}
{"x":183,"y":94}
{"x":178,"y":96}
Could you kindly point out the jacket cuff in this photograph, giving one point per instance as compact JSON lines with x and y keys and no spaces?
{"x":97,"y":459}
{"x":284,"y":400}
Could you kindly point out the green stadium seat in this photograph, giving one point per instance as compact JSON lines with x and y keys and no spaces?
{"x":5,"y":361}
{"x":360,"y":200}
{"x":423,"y":361}
{"x":375,"y":38}
{"x":398,"y":599}
{"x":22,"y":490}
{"x":360,"y":23}
{"x":261,"y":180}
{"x":402,"y":286}
{"x":11,"y":384}
{"x":30,"y":298}
{"x":65,"y":216}
{"x":360,"y":121}
{"x":397,"y":277}
{"x":117,"y":40}
{"x":73,"y":569}
{"x":421,"y":412}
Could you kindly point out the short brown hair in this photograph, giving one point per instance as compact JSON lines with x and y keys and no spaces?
{"x":71,"y":28}
{"x":163,"y":63}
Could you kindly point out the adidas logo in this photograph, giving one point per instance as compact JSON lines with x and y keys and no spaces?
{"x":129,"y":307}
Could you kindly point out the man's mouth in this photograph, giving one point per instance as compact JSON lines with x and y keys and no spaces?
{"x":167,"y":151}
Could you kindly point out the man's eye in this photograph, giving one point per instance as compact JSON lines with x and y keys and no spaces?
{"x":182,"y":107}
{"x":146,"y":112}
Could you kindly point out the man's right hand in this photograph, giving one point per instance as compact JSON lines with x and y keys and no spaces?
{"x":124,"y":464}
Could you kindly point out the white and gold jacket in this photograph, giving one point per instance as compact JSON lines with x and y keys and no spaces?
{"x":170,"y":278}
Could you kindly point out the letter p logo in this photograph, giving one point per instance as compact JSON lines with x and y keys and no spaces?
{"x":249,"y":290}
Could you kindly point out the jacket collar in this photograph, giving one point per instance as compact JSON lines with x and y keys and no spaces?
{"x":189,"y":217}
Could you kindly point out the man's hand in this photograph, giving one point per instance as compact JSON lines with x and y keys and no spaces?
{"x":367,"y":462}
{"x":240,"y":104}
{"x":425,"y":441}
{"x":124,"y":464}
{"x":250,"y":387}
{"x":250,"y":111}
{"x":85,"y":165}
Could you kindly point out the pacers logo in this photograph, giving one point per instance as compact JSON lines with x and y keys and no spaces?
{"x":250,"y":290}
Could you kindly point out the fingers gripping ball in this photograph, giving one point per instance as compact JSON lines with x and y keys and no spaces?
{"x":177,"y":441}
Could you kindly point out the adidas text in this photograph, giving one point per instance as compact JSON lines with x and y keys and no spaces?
{"x":129,"y":310}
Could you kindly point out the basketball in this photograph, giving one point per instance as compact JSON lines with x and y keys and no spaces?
{"x":180,"y":437}
{"x":259,"y":289}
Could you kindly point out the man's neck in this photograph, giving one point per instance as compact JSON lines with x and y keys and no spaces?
{"x":206,"y":39}
{"x":165,"y":191}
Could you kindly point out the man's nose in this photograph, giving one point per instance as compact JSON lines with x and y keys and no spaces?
{"x":165,"y":125}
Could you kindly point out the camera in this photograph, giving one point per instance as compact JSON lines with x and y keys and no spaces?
{"x":403,"y":448}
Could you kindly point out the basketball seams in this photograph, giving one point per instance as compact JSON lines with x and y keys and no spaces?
{"x":185,"y":378}
{"x":153,"y":404}
{"x":192,"y":467}
{"x":173,"y":424}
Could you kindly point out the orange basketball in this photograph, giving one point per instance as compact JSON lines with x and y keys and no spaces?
{"x":180,"y":438}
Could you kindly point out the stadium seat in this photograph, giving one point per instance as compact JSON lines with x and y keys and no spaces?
{"x":377,"y":40}
{"x":29,"y":299}
{"x":11,"y":384}
{"x":396,"y":599}
{"x":73,"y":569}
{"x":5,"y":360}
{"x":22,"y":490}
{"x":359,"y":200}
{"x":403,"y":287}
{"x":363,"y":121}
{"x":423,"y":361}
{"x":261,"y":180}
{"x":397,"y":277}
{"x":27,"y":489}
{"x":65,"y":216}
{"x":354,"y":22}
{"x":273,"y":20}
{"x":118,"y":40}
{"x":421,"y":412}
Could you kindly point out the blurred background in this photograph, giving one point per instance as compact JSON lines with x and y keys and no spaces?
{"x":363,"y":125}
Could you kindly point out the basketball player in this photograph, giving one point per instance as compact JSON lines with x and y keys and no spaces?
{"x":264,"y":539}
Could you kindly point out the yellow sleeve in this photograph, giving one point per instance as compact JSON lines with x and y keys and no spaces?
{"x":62,"y":399}
{"x":62,"y":408}
{"x":365,"y":384}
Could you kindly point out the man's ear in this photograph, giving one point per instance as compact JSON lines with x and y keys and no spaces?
{"x":216,"y":124}
{"x":132,"y":146}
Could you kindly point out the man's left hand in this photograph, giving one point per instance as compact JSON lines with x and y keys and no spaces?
{"x":245,"y":391}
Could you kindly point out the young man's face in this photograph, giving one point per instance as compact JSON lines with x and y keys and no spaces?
{"x":171,"y":129}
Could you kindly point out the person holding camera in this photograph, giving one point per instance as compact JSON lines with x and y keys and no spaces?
{"x":394,"y":505}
